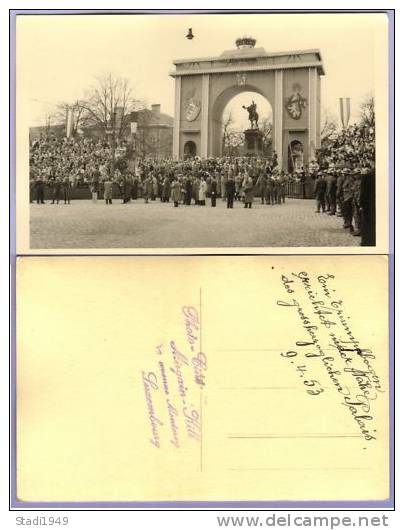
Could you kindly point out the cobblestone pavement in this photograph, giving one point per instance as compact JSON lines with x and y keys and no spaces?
{"x":83,"y":224}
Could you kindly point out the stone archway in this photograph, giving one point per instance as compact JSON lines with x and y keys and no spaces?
{"x":290,"y":81}
{"x":220,"y":103}
{"x":189,"y":149}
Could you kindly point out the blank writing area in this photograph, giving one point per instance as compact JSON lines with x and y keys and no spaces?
{"x":202,"y":378}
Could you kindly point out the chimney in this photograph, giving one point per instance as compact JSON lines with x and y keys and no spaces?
{"x":156,"y":110}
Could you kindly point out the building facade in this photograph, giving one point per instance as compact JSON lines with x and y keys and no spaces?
{"x":290,"y":81}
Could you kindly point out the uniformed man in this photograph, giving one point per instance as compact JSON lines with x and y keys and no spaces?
{"x":66,"y":186}
{"x":320,"y":187}
{"x":213,"y":190}
{"x":40,"y":190}
{"x":331,"y":191}
{"x":230,"y":191}
{"x":57,"y":190}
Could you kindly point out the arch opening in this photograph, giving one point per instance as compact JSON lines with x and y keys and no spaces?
{"x":230,"y":120}
{"x":189,"y":149}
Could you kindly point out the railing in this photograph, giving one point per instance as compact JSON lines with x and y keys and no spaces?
{"x":296,"y":190}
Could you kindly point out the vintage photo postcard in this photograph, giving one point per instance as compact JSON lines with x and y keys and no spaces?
{"x":188,"y":133}
{"x":202,"y":379}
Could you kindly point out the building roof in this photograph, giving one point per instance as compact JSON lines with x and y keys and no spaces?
{"x":251,"y":59}
{"x":156,"y":119}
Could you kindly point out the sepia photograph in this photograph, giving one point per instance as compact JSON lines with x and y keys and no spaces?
{"x":201,"y":271}
{"x":202,"y":131}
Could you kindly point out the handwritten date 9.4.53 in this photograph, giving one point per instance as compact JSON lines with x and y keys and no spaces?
{"x":313,"y":387}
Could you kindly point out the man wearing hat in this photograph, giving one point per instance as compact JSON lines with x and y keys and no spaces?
{"x":40,"y":189}
{"x":230,"y":191}
{"x":320,"y":187}
{"x":331,"y":190}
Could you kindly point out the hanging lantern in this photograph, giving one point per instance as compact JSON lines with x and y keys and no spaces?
{"x":190,"y":35}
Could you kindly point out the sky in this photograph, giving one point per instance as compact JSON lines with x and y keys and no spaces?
{"x":58,"y":56}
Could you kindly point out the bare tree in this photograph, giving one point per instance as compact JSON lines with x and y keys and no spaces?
{"x":60,"y":115}
{"x":227,"y":124}
{"x":107,"y":104}
{"x":367,"y":111}
{"x":234,"y":140}
{"x":329,"y":125}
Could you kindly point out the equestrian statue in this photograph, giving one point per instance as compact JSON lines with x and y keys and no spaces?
{"x":252,"y":114}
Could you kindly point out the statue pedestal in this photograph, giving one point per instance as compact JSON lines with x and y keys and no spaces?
{"x":253,"y":142}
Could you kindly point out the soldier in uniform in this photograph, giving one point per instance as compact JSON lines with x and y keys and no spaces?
{"x":213,"y":190}
{"x":66,"y":186}
{"x":40,"y":190}
{"x":57,"y":189}
{"x":126,"y":189}
{"x":320,"y":187}
{"x":262,"y":186}
{"x":230,"y":191}
{"x":331,"y":191}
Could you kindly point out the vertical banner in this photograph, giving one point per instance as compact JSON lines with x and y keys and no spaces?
{"x":345,"y":111}
{"x":69,"y":121}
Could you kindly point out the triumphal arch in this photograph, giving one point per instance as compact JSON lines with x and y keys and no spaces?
{"x":290,"y":81}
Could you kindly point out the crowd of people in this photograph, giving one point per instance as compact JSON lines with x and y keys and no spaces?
{"x":343,"y":177}
{"x":62,"y":165}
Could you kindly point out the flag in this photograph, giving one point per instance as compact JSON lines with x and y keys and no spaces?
{"x":345,"y":111}
{"x":69,"y":122}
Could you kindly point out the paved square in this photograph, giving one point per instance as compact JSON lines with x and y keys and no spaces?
{"x":83,"y":224}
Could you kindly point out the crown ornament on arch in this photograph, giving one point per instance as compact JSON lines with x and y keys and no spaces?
{"x":245,"y":42}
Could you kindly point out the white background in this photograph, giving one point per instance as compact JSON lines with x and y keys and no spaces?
{"x":182,"y":520}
